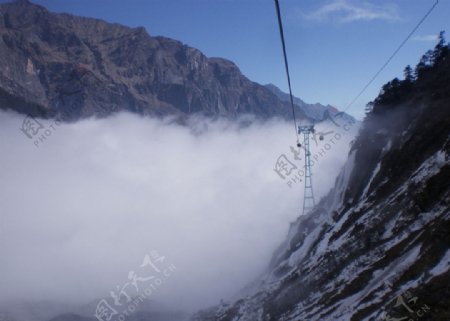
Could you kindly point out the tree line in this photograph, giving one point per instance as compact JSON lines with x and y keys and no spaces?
{"x":396,"y":90}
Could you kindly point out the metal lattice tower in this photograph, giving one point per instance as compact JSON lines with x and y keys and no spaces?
{"x":308,"y":197}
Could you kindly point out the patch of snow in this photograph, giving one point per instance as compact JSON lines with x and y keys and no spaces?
{"x":388,"y":229}
{"x":325,"y":242}
{"x":387,"y":147}
{"x":374,"y":173}
{"x":443,"y":266}
{"x":300,"y":253}
{"x":352,"y":303}
{"x":430,"y":167}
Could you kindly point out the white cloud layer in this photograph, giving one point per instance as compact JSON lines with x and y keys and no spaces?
{"x":345,"y":11}
{"x":426,"y":38}
{"x":81,"y":210}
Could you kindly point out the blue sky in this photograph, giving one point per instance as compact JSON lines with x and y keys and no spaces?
{"x":334,"y":46}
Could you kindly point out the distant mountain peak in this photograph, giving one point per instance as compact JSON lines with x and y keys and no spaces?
{"x":316,"y":112}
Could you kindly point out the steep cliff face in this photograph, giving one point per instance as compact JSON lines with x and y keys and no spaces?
{"x":377,"y":247}
{"x":59,"y":64}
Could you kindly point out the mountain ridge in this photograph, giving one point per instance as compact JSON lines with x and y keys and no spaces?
{"x":316,"y":112}
{"x":61,"y":65}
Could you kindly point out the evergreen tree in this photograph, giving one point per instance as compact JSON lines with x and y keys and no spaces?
{"x":424,"y":63}
{"x":395,"y":83}
{"x":408,"y":73}
{"x":438,"y":51}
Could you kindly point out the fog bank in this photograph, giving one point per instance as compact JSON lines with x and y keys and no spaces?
{"x":80,"y":208}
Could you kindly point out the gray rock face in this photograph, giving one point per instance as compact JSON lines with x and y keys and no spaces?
{"x":74,"y":67}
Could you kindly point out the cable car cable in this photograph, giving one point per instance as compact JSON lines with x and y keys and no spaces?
{"x":392,"y":56}
{"x":286,"y":65}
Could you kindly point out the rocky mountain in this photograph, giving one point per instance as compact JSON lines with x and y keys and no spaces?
{"x":315,"y":111}
{"x":73,"y":67}
{"x":377,"y":247}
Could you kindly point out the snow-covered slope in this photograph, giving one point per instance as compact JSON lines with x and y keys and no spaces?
{"x":377,"y":246}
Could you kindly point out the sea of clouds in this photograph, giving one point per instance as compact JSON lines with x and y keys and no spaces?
{"x":81,"y":207}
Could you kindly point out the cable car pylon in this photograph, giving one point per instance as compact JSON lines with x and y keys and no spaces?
{"x":308,"y":195}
